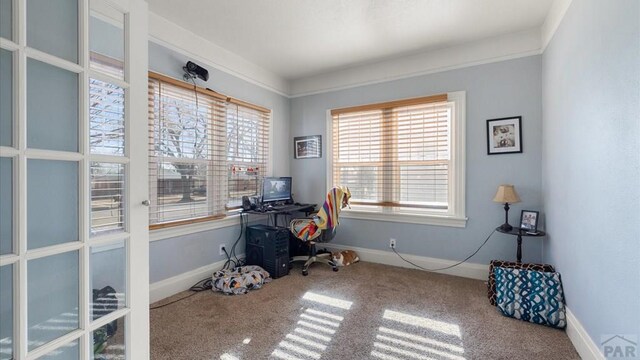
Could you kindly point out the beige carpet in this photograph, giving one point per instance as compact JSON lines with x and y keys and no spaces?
{"x":364,"y":311}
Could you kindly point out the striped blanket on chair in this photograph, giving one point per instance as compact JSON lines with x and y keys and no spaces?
{"x":326,"y":218}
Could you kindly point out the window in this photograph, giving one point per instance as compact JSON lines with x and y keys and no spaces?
{"x":402,"y":160}
{"x":206,"y":151}
{"x":247,"y":151}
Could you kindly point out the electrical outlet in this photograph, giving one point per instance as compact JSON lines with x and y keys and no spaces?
{"x":222,"y":249}
{"x":392,"y":243}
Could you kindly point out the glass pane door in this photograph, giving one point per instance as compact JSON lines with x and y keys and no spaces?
{"x":73,"y":229}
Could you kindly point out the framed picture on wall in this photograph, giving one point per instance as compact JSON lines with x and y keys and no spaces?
{"x":504,"y":135}
{"x":307,"y":147}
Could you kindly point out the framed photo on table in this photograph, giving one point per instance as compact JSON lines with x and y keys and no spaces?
{"x":504,"y":135}
{"x":307,"y":147}
{"x":529,"y":220}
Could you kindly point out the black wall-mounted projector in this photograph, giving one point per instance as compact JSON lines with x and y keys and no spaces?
{"x":194,"y":70}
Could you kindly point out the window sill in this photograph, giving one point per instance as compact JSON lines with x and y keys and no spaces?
{"x":437,"y":220}
{"x":176,"y":231}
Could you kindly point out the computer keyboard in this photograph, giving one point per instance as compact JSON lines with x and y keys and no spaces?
{"x":285,"y":207}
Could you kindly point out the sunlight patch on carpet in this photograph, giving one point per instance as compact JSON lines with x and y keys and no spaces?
{"x":383,"y":356}
{"x":327,"y":300}
{"x":416,"y":347}
{"x":440,"y":326}
{"x":411,"y":342}
{"x":228,"y":357}
{"x":422,"y":339}
{"x":314,"y":329}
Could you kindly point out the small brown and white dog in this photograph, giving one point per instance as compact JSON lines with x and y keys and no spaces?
{"x":345,"y":257}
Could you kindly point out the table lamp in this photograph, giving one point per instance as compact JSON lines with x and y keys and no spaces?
{"x":506,"y":194}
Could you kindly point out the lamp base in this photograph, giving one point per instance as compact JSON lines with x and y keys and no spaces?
{"x":506,"y":227}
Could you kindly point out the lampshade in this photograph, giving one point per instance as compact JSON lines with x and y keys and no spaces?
{"x":506,"y":194}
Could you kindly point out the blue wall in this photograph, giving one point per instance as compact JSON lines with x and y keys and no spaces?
{"x":507,"y":88}
{"x":591,"y":162}
{"x":171,"y":257}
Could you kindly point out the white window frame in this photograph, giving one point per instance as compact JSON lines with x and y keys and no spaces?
{"x":455,"y":216}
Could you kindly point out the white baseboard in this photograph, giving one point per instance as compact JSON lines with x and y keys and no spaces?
{"x":468,"y":270}
{"x":586,"y":348}
{"x":173,"y":285}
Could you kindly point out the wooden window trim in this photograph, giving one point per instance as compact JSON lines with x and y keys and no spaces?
{"x":455,"y":216}
{"x":185,"y":222}
{"x":392,"y":104}
{"x":206,"y":91}
{"x":391,"y":204}
{"x":216,"y":95}
{"x":389,"y":148}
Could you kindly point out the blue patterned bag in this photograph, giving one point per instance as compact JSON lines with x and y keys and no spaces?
{"x":533,"y":296}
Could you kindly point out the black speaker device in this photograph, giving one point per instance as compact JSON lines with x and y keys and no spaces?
{"x":246,"y":203}
{"x":194,"y":70}
{"x":268,"y":247}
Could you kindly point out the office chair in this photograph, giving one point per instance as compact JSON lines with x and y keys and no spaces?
{"x":320,"y":228}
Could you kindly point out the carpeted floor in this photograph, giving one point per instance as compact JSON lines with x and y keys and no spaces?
{"x":364,"y":311}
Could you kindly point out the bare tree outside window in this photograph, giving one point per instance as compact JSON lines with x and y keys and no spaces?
{"x":180,"y":137}
{"x":182,"y":154}
{"x":205,"y":151}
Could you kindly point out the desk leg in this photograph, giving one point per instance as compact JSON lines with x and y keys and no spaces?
{"x":519,"y":254}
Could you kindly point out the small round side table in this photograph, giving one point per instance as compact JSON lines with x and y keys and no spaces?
{"x":520,"y":233}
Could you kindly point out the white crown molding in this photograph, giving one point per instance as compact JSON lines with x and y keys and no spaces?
{"x":175,"y":37}
{"x":504,"y":47}
{"x":581,"y":340}
{"x":499,"y":48}
{"x":552,"y":22}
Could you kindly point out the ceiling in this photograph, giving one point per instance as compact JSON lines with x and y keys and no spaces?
{"x":300,"y":38}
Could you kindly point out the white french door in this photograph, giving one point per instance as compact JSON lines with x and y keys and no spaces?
{"x":74,"y":245}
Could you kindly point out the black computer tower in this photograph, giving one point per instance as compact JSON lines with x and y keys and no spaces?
{"x":268,"y":247}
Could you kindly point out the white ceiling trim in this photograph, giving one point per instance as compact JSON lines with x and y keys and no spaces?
{"x":552,"y":22}
{"x":177,"y":38}
{"x":500,"y":48}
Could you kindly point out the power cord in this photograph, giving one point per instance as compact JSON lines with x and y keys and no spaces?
{"x":450,"y":266}
{"x":207,"y":283}
{"x":202,"y":285}
{"x":237,"y":261}
{"x":229,"y":261}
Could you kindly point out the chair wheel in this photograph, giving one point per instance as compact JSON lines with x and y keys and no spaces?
{"x":335,"y":269}
{"x":305,"y":272}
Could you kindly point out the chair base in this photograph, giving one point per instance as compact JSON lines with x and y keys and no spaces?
{"x":316,"y":258}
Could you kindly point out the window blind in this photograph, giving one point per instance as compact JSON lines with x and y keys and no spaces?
{"x":247,"y":150}
{"x":395,"y":154}
{"x":187,"y":152}
{"x":106,"y":118}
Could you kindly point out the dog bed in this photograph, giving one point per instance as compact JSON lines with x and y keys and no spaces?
{"x":240,"y":280}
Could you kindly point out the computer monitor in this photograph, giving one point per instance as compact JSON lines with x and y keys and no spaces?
{"x":276,"y":189}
